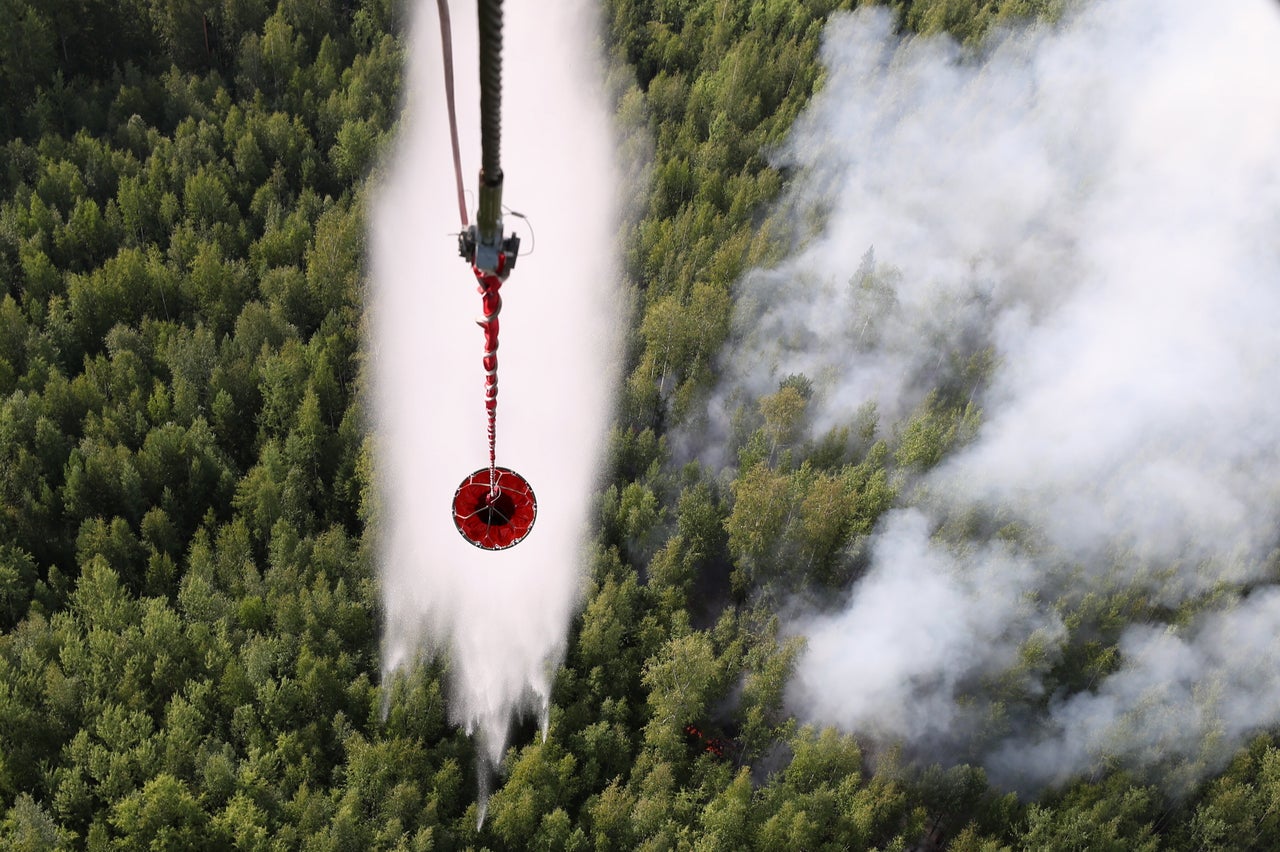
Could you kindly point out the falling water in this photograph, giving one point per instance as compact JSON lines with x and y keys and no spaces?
{"x":498,"y":619}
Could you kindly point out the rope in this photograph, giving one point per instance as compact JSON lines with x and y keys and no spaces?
{"x":446,"y":40}
{"x":492,"y":304}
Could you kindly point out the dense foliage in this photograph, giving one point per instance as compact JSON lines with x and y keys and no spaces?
{"x":187,"y":593}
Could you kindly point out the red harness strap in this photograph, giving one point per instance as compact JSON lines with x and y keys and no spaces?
{"x":491,"y":302}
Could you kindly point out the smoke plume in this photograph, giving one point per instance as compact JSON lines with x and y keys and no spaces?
{"x":1097,"y":204}
{"x":498,"y":619}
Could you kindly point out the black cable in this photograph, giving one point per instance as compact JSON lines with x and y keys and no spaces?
{"x":490,"y":89}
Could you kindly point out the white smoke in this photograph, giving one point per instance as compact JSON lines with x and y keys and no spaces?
{"x":1099,"y":203}
{"x":498,"y":618}
{"x":1180,"y":702}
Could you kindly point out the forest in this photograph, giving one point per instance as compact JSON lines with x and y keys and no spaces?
{"x":189,"y":612}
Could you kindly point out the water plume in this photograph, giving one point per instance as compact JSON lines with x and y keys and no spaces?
{"x":498,"y":619}
{"x":1095,"y":203}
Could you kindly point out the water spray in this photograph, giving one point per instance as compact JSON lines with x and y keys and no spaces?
{"x":497,"y":619}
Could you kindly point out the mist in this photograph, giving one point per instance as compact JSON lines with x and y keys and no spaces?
{"x":497,"y":620}
{"x":1096,"y":203}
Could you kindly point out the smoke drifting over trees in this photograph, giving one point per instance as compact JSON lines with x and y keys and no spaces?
{"x":1072,"y":230}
